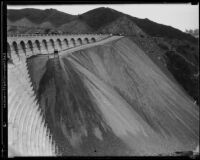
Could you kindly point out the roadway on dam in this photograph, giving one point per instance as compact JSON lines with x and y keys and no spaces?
{"x":101,"y":42}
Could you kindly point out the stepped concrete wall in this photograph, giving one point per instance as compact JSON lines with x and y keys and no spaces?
{"x":27,"y":132}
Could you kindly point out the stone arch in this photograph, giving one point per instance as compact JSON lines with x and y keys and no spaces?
{"x":79,"y":41}
{"x":30,"y":46}
{"x":37,"y":44}
{"x":93,"y":39}
{"x":52,"y":43}
{"x":8,"y":51}
{"x":86,"y":40}
{"x":15,"y":48}
{"x":66,"y":44}
{"x":59,"y":44}
{"x":23,"y":47}
{"x":44,"y":44}
{"x":72,"y":41}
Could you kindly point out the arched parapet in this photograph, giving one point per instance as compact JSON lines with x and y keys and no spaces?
{"x":57,"y":41}
{"x":92,"y":40}
{"x":9,"y":51}
{"x":37,"y":46}
{"x":51,"y":46}
{"x":65,"y":43}
{"x":15,"y":52}
{"x":86,"y":40}
{"x":59,"y":44}
{"x":30,"y":49}
{"x":72,"y":42}
{"x":15,"y":48}
{"x":44,"y":47}
{"x":22,"y":50}
{"x":79,"y":42}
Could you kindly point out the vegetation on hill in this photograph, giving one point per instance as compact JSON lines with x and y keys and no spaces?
{"x":185,"y":73}
{"x":97,"y":18}
{"x":100,"y":17}
{"x":76,"y":26}
{"x":39,"y":16}
{"x":160,"y":30}
{"x":194,"y":32}
{"x":182,"y":59}
{"x":104,"y":16}
{"x":122,"y":25}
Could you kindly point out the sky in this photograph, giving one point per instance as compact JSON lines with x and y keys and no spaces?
{"x":180,"y":16}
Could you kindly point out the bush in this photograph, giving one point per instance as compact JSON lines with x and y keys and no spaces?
{"x":163,"y":46}
{"x":183,"y":73}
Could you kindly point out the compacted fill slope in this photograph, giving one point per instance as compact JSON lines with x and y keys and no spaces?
{"x":113,"y":100}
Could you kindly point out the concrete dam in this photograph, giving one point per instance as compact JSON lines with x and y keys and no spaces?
{"x":100,"y":96}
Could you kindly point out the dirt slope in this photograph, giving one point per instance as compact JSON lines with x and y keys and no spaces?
{"x":112,"y":99}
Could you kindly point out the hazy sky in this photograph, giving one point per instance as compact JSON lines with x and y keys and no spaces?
{"x":181,"y":16}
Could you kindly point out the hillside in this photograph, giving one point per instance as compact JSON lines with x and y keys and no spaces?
{"x":97,"y":18}
{"x":46,"y":24}
{"x":160,"y":30}
{"x":24,"y":22}
{"x":76,"y":26}
{"x":122,"y":25}
{"x":182,"y":58}
{"x":38,"y":16}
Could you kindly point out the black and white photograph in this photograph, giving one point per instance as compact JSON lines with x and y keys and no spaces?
{"x":102,"y":80}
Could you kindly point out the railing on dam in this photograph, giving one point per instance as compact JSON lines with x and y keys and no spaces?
{"x":65,"y":34}
{"x":26,"y":45}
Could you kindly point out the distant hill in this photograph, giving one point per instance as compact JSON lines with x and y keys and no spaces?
{"x":160,"y":30}
{"x":95,"y":19}
{"x":24,"y":22}
{"x":38,"y":16}
{"x":76,"y":26}
{"x":100,"y":17}
{"x":47,"y":24}
{"x":122,"y":25}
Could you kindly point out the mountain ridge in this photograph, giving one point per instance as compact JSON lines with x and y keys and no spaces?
{"x":177,"y":47}
{"x":97,"y":18}
{"x":38,"y":16}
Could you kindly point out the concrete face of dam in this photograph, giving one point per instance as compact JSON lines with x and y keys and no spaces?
{"x":27,"y":131}
{"x":102,"y":98}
